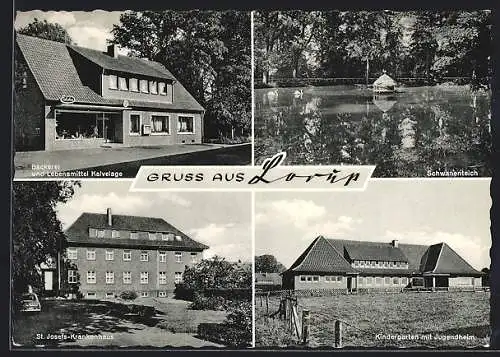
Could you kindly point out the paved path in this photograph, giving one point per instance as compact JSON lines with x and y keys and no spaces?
{"x":69,"y":160}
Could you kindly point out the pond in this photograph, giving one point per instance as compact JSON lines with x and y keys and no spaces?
{"x":406,"y":134}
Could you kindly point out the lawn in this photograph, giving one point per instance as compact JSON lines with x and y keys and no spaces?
{"x":172,"y":325}
{"x":386,"y":320}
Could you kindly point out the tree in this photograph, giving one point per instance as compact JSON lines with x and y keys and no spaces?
{"x":486,"y":277}
{"x":46,"y":30}
{"x":267,"y":263}
{"x":37,"y":233}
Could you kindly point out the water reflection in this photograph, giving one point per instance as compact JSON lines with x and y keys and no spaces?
{"x":405,"y":134}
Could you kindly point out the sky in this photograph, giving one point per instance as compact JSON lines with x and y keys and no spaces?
{"x":412,"y":211}
{"x":221,"y":220}
{"x":87,"y":28}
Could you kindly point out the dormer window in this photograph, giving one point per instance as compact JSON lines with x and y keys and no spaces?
{"x":133,"y":83}
{"x":153,"y":87}
{"x":100,"y":233}
{"x":164,"y":236}
{"x":143,"y":83}
{"x":162,"y":89}
{"x":115,"y":234}
{"x":113,"y":81}
{"x":122,"y":82}
{"x":178,"y":238}
{"x":134,"y":235}
{"x":152,"y":236}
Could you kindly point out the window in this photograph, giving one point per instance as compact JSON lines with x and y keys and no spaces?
{"x":194,"y":258}
{"x":178,"y":238}
{"x":378,"y":281}
{"x":361,"y":281}
{"x":100,"y":233}
{"x":135,"y":124}
{"x":151,"y":236}
{"x":143,"y":83}
{"x":91,"y":279}
{"x":72,"y":254}
{"x":90,"y":254}
{"x":373,"y":264}
{"x":160,"y":124}
{"x":127,"y":255}
{"x":144,"y":277}
{"x":162,"y":89}
{"x":327,"y":278}
{"x":185,"y":125}
{"x":162,"y":277}
{"x":132,"y":82}
{"x":92,"y":232}
{"x":110,"y":295}
{"x":134,"y":235}
{"x":127,"y":277}
{"x":144,"y":294}
{"x":369,"y":280}
{"x":110,"y":277}
{"x":25,"y":79}
{"x":170,"y":236}
{"x":302,"y":278}
{"x":387,"y":280}
{"x":339,"y":278}
{"x":404,"y":281}
{"x":395,"y":281}
{"x":178,"y":257}
{"x":309,"y":278}
{"x":162,"y":294}
{"x":153,"y":87}
{"x":144,"y":256}
{"x":122,"y":83}
{"x":113,"y":81}
{"x":163,"y":257}
{"x":164,"y":236}
{"x":110,"y":255}
{"x":115,"y":234}
{"x":91,"y":295}
{"x":72,"y":277}
{"x":177,"y":277}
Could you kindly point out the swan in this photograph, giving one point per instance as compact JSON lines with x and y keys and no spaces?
{"x":298,"y":93}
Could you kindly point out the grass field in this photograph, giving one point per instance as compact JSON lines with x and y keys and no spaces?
{"x":413,"y":320}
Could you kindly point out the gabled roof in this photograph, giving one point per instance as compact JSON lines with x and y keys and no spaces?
{"x":384,"y":80}
{"x":78,"y":232}
{"x":357,"y":250}
{"x":124,"y":63}
{"x":322,"y":257}
{"x":54,"y":70}
{"x":268,"y":278}
{"x":444,"y":260}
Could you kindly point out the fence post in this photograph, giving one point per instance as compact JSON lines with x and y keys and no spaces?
{"x":267,"y":303}
{"x":305,"y":326}
{"x":338,"y":334}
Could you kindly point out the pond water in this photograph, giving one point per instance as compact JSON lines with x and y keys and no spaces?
{"x":406,"y":134}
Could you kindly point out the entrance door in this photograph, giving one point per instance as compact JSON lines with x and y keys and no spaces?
{"x":48,"y":278}
{"x":349,"y":283}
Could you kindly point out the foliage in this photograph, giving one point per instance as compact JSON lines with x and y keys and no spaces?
{"x":207,"y":51}
{"x":425,"y":44}
{"x":267,"y":263}
{"x":37,"y":232}
{"x":202,"y":302}
{"x":128,"y":295}
{"x":46,"y":30}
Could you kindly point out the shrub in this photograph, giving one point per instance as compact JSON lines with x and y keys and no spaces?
{"x":128,"y":295}
{"x":202,"y":302}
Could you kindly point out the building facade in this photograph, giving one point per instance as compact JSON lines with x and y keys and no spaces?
{"x":353,"y":265}
{"x":70,"y":97}
{"x":110,"y":254}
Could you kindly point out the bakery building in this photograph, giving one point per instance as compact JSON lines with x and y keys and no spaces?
{"x":109,"y":254}
{"x":70,"y":97}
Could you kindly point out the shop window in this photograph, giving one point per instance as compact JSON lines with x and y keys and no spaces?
{"x":133,"y":84}
{"x":72,"y":125}
{"x":185,"y":125}
{"x":160,"y":124}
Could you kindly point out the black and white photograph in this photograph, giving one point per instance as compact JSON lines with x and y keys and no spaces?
{"x":373,"y":270}
{"x":407,"y":91}
{"x":94,"y":266}
{"x":98,"y":94}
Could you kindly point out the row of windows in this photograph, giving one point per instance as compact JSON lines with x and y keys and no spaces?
{"x":369,"y":280}
{"x":137,"y":85}
{"x":317,"y":278}
{"x":126,"y":277}
{"x":127,"y":255}
{"x":379,"y":264}
{"x":109,"y":295}
{"x":160,"y":124}
{"x":102,"y":233}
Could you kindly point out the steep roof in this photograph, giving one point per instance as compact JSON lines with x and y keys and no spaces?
{"x":54,"y":70}
{"x":444,"y":260}
{"x":78,"y":232}
{"x":357,"y":250}
{"x":268,"y":278}
{"x":384,"y":80}
{"x":321,"y":256}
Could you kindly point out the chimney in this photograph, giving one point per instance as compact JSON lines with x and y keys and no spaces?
{"x":395,"y":243}
{"x":110,"y":217}
{"x":112,"y":51}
